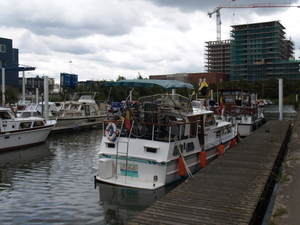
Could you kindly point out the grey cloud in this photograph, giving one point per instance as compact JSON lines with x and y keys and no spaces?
{"x":73,"y":22}
{"x":209,"y":6}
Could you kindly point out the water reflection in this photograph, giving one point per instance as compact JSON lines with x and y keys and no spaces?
{"x":271,"y":112}
{"x":121,"y":204}
{"x":20,"y":163}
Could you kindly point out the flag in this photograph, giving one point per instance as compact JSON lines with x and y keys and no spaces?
{"x":203,"y":88}
{"x":197,"y":88}
{"x":203,"y":84}
{"x":127,"y":120}
{"x":221,"y":102}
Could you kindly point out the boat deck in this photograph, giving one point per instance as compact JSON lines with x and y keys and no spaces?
{"x":233,"y":189}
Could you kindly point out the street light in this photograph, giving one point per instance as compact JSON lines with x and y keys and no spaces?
{"x":70,"y":67}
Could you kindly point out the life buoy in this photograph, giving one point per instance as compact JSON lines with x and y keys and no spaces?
{"x":111,"y":131}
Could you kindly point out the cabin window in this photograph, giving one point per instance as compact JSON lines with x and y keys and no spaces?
{"x":190,"y":147}
{"x":26,"y":114}
{"x":110,"y":145}
{"x":25,"y":125}
{"x":151,"y":150}
{"x":66,"y":106}
{"x":209,"y":120}
{"x":74,"y":107}
{"x":176,"y":150}
{"x":93,"y":110}
{"x":38,"y":123}
{"x":5,"y":115}
{"x":37,"y":114}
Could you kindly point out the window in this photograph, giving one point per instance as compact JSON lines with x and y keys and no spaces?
{"x":2,"y":48}
{"x":190,"y":147}
{"x":25,"y":125}
{"x":38,"y":123}
{"x":176,"y":150}
{"x":209,"y":120}
{"x":5,"y":115}
{"x":151,"y":150}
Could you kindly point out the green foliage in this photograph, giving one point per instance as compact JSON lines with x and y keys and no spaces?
{"x":10,"y":96}
{"x":264,"y":89}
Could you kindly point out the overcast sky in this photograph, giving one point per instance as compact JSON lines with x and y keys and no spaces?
{"x":107,"y":38}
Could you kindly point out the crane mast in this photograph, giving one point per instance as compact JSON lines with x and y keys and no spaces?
{"x":218,"y":17}
{"x":255,"y":5}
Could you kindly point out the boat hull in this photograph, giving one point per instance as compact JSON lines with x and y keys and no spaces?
{"x":23,"y":138}
{"x":147,"y":173}
{"x":77,"y":122}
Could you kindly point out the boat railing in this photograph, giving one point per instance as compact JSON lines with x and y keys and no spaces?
{"x":151,"y":131}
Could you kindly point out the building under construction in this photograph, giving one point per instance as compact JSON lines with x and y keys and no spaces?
{"x":258,"y":51}
{"x":218,"y":56}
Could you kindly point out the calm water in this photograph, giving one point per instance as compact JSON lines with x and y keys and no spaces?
{"x":271,"y":112}
{"x":53,"y":183}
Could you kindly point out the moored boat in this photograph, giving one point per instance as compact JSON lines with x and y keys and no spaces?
{"x":79,"y":112}
{"x":21,"y":132}
{"x":237,"y":106}
{"x":162,"y":141}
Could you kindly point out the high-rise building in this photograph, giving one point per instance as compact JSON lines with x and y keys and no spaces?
{"x":218,"y":56}
{"x":9,"y":57}
{"x":259,"y":51}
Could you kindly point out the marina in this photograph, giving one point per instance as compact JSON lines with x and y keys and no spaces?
{"x":53,"y":183}
{"x":233,"y":189}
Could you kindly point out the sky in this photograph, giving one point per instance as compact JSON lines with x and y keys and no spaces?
{"x":104,"y":39}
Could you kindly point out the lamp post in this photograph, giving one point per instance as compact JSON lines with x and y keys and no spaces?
{"x":70,"y":67}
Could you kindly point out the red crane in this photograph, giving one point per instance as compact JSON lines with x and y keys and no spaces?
{"x":254,"y":5}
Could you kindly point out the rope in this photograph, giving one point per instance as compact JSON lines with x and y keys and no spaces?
{"x":184,"y":162}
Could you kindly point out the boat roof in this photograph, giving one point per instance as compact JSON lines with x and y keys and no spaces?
{"x":166,"y":84}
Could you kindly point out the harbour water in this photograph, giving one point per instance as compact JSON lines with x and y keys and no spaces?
{"x":53,"y":183}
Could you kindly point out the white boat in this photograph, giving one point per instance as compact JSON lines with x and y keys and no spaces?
{"x":37,"y":110}
{"x":82,"y":110}
{"x":236,"y":105}
{"x":21,"y":132}
{"x":167,"y":140}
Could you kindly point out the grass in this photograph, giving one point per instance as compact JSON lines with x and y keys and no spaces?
{"x":279,"y":212}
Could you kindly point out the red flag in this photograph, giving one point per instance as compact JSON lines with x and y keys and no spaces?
{"x":127,"y":120}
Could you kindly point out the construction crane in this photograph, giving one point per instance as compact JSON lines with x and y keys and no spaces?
{"x":218,"y":17}
{"x":254,"y":5}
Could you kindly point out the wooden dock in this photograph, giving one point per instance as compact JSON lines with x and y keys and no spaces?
{"x":233,"y":189}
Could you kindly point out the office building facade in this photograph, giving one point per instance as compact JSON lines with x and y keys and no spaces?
{"x":259,"y":51}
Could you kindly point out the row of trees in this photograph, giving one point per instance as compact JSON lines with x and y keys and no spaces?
{"x":268,"y":89}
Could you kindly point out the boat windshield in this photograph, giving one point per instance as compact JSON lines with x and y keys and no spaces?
{"x":86,"y":97}
{"x":5,"y":115}
{"x":168,"y":101}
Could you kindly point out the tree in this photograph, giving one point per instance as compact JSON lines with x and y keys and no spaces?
{"x":271,"y":88}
